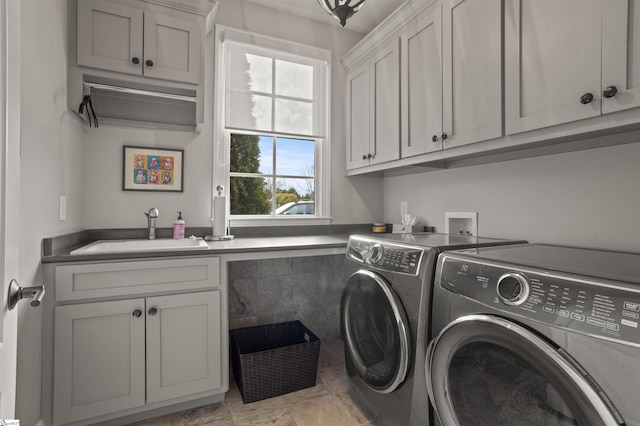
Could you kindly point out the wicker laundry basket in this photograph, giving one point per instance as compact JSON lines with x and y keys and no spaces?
{"x":271,"y":360}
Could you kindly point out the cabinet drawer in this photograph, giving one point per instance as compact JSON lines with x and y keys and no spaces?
{"x":96,"y":280}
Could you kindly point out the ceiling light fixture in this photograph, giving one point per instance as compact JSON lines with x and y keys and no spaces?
{"x":341,"y":9}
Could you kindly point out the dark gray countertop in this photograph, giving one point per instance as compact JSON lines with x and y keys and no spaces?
{"x":57,"y":249}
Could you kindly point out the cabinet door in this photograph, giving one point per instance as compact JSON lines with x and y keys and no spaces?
{"x":183,"y":345}
{"x":472,"y":72}
{"x":110,"y":36}
{"x":621,"y":54}
{"x":358,"y":117}
{"x":99,"y":359}
{"x":552,"y":58}
{"x":171,"y":48}
{"x":385,"y":91}
{"x":422,"y":84}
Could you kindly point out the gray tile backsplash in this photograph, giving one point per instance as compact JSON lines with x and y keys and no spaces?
{"x":275,"y":290}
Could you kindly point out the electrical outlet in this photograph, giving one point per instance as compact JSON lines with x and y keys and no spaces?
{"x":461,"y":223}
{"x":63,"y":207}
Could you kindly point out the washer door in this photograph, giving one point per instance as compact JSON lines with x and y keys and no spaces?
{"x":375,"y":331}
{"x":486,"y":370}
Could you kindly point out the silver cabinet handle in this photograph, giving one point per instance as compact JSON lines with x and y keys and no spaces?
{"x":17,"y":293}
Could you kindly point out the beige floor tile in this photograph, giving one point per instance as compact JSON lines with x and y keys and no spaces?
{"x":353,"y":409}
{"x":326,"y":404}
{"x":214,"y":414}
{"x":327,"y":410}
{"x":278,"y":417}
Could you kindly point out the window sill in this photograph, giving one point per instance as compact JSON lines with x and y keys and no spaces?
{"x":279,"y":221}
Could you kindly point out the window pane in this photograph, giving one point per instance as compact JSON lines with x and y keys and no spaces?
{"x":295,"y":80}
{"x":295,"y":196}
{"x":250,"y":196}
{"x":250,"y":72}
{"x":295,"y":157}
{"x":249,"y":111}
{"x":293,"y":117}
{"x":251,"y":154}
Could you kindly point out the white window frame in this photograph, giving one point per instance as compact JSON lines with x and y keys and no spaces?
{"x":222,"y":135}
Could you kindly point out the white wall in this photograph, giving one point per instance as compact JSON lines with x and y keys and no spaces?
{"x":51,"y":145}
{"x":105,"y":205}
{"x":588,"y":198}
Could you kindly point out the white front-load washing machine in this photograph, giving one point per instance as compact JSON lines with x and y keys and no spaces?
{"x":535,"y":335}
{"x":384,"y":318}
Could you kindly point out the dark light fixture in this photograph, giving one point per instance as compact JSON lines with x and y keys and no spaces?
{"x":341,"y":9}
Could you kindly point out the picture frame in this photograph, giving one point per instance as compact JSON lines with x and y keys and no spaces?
{"x":152,"y":169}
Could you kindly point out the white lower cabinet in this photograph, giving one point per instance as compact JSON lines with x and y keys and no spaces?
{"x":114,"y":358}
{"x":183,"y":345}
{"x":99,"y":359}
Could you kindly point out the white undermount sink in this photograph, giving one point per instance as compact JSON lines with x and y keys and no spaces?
{"x":128,"y":246}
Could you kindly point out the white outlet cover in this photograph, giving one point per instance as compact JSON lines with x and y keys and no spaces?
{"x":471,"y":218}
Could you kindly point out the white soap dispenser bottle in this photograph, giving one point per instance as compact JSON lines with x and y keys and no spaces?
{"x":178,"y":228}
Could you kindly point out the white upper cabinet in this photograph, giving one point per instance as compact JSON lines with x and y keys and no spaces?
{"x":620,"y":55}
{"x":373,"y":108}
{"x":472,"y":71}
{"x":569,"y":60}
{"x":125,"y":39}
{"x":422,"y":84}
{"x":452,"y":76}
{"x":358,"y":119}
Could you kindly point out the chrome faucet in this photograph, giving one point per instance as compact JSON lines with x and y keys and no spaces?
{"x":152,"y":215}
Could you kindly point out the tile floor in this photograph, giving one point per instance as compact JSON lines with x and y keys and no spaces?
{"x":327,"y":403}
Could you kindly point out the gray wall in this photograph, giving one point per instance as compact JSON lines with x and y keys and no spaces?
{"x":276,"y":290}
{"x":51,"y":164}
{"x":588,"y":198}
{"x":105,"y":205}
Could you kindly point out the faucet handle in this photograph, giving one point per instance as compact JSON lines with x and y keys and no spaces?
{"x":153,"y":213}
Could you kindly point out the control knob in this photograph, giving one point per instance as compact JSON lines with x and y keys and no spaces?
{"x":376,"y":253}
{"x":513,"y":289}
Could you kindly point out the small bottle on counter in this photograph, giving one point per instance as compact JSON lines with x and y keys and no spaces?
{"x":178,"y":228}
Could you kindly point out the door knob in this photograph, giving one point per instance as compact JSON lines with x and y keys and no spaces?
{"x":610,"y":91}
{"x":17,"y":293}
{"x":586,"y":98}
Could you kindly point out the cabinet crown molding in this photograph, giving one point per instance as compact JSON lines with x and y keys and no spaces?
{"x":392,"y":24}
{"x":195,"y":7}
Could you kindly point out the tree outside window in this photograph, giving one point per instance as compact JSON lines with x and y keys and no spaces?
{"x":269,"y":172}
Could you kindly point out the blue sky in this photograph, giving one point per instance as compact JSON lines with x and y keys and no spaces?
{"x":293,"y":156}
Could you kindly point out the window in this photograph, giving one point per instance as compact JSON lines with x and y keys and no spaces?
{"x":274,"y":126}
{"x":264,"y":166}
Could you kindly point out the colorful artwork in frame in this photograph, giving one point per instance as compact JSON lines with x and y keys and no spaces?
{"x":152,"y":169}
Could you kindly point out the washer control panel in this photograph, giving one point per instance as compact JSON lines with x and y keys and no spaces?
{"x":386,"y":256}
{"x":606,"y":309}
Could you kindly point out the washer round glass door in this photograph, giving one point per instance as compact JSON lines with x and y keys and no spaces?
{"x":375,"y":331}
{"x":486,"y":370}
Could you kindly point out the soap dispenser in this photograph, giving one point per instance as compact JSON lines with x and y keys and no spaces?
{"x":178,"y":228}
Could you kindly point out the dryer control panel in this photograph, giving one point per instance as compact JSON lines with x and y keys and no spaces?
{"x":600,"y":308}
{"x":386,"y":256}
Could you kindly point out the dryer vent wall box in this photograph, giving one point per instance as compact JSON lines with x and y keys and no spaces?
{"x":465,"y":223}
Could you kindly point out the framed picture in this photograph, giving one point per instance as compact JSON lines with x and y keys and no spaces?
{"x":152,"y":169}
